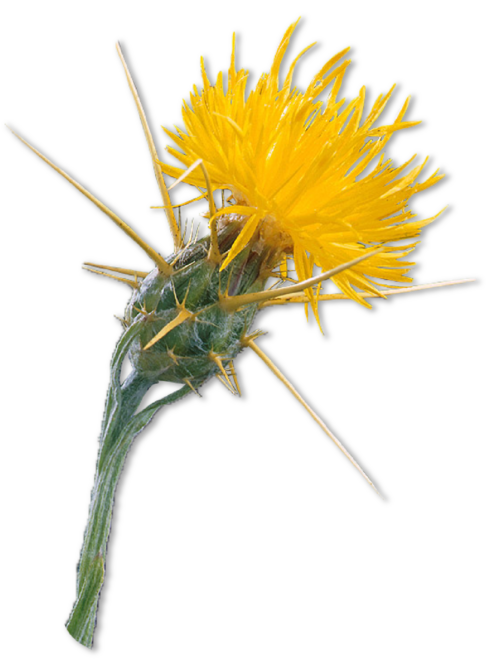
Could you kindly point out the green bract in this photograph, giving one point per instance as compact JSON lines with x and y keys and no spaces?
{"x":186,"y":354}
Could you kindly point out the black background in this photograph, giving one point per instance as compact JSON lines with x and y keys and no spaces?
{"x":231,"y":512}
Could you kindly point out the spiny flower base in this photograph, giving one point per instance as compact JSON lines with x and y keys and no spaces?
{"x":186,"y":333}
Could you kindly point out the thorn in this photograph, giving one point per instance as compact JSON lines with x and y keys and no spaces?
{"x":234,"y":376}
{"x":297,"y":298}
{"x":183,"y":315}
{"x":143,"y":310}
{"x":182,"y":304}
{"x":218,"y":361}
{"x":322,"y":425}
{"x":177,"y":206}
{"x":123,"y":321}
{"x":187,"y":381}
{"x":172,"y":355}
{"x":214,"y":253}
{"x":187,"y":243}
{"x":173,"y":225}
{"x":113,"y":277}
{"x":199,"y":320}
{"x":254,"y":335}
{"x":224,"y":382}
{"x":155,"y":256}
{"x":231,"y":303}
{"x":122,"y":271}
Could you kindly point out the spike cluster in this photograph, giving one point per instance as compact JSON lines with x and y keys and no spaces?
{"x":192,"y":331}
{"x":188,"y":336}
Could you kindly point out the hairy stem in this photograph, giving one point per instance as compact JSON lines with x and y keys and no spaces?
{"x":120,"y":426}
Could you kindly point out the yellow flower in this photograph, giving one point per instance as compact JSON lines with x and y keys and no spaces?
{"x":297,"y":171}
{"x":308,"y":182}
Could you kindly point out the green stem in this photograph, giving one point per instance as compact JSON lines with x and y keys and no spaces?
{"x":120,"y":426}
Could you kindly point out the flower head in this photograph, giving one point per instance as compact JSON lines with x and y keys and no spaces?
{"x":308,"y":177}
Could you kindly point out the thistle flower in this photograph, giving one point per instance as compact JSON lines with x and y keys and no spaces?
{"x":294,"y":166}
{"x":294,"y":171}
